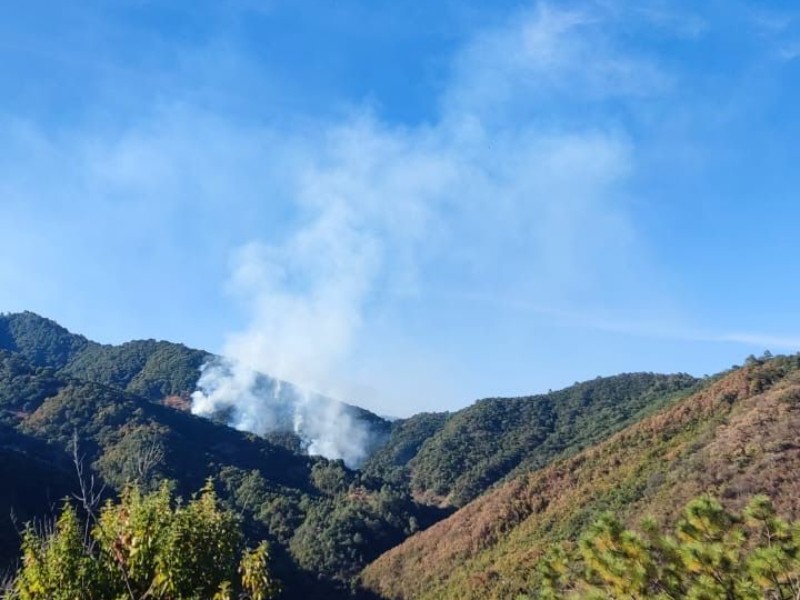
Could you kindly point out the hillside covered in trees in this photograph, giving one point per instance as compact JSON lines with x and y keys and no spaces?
{"x":146,"y":546}
{"x":125,"y":407}
{"x":525,"y":472}
{"x":734,"y":438}
{"x":451,"y":459}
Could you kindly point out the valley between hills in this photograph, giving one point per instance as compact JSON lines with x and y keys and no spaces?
{"x":460,"y":505}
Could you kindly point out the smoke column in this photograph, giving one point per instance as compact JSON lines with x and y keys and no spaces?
{"x":487,"y":196}
{"x":251,"y":401}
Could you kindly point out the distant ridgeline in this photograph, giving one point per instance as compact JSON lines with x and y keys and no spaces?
{"x":451,"y":459}
{"x":129,"y":406}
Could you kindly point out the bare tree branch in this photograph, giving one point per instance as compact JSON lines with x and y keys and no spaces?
{"x":89,"y":497}
{"x":90,"y":500}
{"x":150,"y":455}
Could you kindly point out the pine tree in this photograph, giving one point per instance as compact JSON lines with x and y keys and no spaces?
{"x":712,"y":554}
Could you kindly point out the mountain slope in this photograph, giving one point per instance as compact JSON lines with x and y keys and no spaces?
{"x":154,"y":370}
{"x":326,"y":520}
{"x":44,"y":343}
{"x":162,"y":372}
{"x":125,"y":437}
{"x":451,"y":459}
{"x":737,"y":437}
{"x":36,"y":477}
{"x":405,"y":439}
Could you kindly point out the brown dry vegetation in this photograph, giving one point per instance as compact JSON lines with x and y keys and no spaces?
{"x":179,"y":402}
{"x":737,"y":437}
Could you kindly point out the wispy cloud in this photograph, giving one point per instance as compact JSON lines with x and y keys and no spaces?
{"x":501,"y":190}
{"x":516,"y":186}
{"x":543,"y":58}
{"x":488,"y":195}
{"x":779,"y":31}
{"x":666,"y":328}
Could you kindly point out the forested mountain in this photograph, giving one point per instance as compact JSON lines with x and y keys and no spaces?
{"x":325,"y":520}
{"x":126,"y":406}
{"x":451,"y":459}
{"x":734,"y":438}
{"x":151,"y":369}
{"x":159,"y":371}
{"x":36,"y":477}
{"x":392,"y":460}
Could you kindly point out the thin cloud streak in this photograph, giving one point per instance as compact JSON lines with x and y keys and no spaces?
{"x":486,"y":195}
{"x":385,"y":207}
{"x":589,"y":320}
{"x":517,"y":183}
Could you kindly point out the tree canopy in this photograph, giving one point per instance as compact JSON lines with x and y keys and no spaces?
{"x":145,"y":546}
{"x":710,"y":554}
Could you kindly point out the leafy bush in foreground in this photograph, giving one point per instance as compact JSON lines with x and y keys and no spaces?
{"x":146,"y":546}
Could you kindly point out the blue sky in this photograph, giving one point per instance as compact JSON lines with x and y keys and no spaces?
{"x":408,"y":205}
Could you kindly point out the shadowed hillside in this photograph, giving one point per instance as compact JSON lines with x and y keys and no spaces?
{"x":325,"y":520}
{"x":36,"y":477}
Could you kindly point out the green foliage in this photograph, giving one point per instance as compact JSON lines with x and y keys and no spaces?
{"x":23,"y":387}
{"x":331,"y":477}
{"x":734,"y":436}
{"x":256,"y":580}
{"x":153,"y":370}
{"x":138,"y":456}
{"x":497,"y":438}
{"x":58,"y":567}
{"x":711,"y":554}
{"x":145,"y":546}
{"x":41,"y":341}
{"x":407,"y":436}
{"x":34,"y":476}
{"x":341,"y":534}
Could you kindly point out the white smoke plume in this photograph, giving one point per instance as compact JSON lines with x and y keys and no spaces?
{"x":488,"y":190}
{"x":366,"y":200}
{"x":251,"y":401}
{"x":305,"y":299}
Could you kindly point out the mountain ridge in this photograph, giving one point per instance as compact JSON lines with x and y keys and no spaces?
{"x":327,"y":521}
{"x":160,"y":371}
{"x":470,"y":450}
{"x":735,"y":437}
